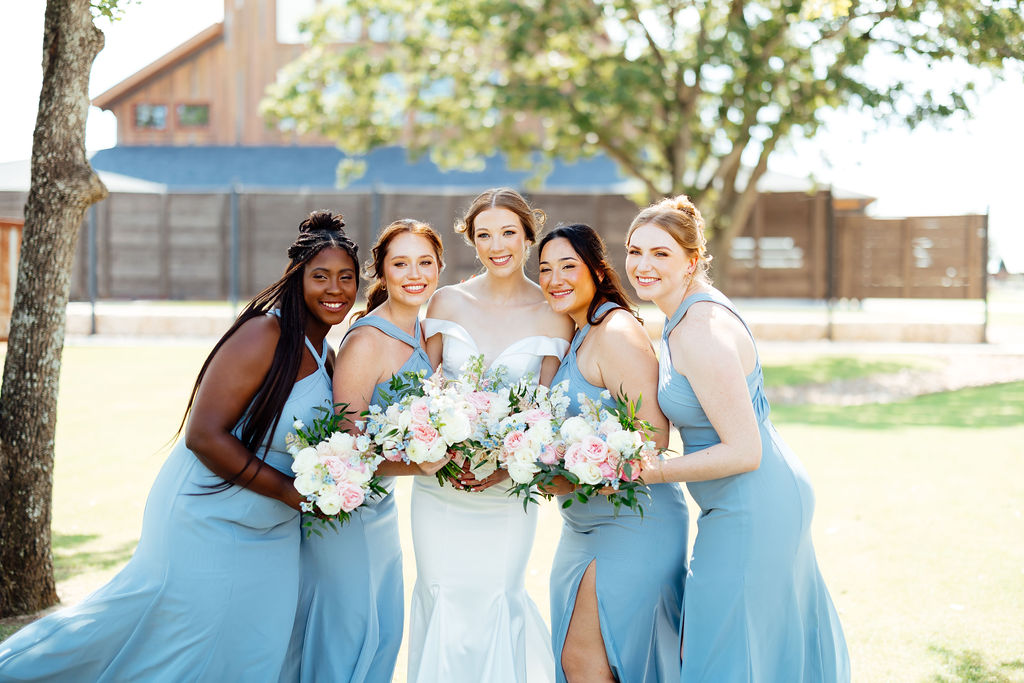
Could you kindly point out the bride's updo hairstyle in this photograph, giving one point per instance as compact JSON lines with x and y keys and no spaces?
{"x":531,"y":219}
{"x":377,"y":290}
{"x":682,"y":220}
{"x":320,"y":230}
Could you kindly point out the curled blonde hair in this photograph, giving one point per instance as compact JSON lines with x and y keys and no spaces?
{"x":531,"y":219}
{"x":682,"y":220}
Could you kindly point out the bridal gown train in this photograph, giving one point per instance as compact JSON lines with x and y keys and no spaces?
{"x":471,"y":619}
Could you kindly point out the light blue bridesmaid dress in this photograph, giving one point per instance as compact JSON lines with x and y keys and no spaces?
{"x":756,"y":607}
{"x":211,"y":590}
{"x":639,"y":563}
{"x":348,"y":626}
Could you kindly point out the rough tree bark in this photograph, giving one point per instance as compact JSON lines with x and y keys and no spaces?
{"x":63,"y":187}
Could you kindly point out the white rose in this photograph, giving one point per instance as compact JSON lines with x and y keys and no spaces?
{"x":521,"y":472}
{"x":587,"y":473}
{"x":341,"y":443}
{"x":358,"y":475}
{"x":306,"y":483}
{"x":456,"y":427}
{"x":392,"y":413}
{"x":527,"y":454}
{"x":575,"y":429}
{"x":540,"y":433}
{"x":329,"y":501}
{"x":418,"y":452}
{"x":624,"y":442}
{"x":305,"y":460}
{"x":437,"y":451}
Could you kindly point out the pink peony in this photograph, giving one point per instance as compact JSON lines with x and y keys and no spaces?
{"x":480,"y":400}
{"x":424,"y":433}
{"x":336,"y":466}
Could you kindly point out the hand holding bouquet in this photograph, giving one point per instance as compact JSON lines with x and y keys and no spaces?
{"x":333,"y":469}
{"x":600,"y":451}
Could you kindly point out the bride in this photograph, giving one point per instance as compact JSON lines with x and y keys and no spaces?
{"x":471,"y":619}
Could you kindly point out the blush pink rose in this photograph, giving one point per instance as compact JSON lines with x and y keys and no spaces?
{"x":535,"y":415}
{"x":635,"y":469}
{"x":424,"y":433}
{"x":480,"y":401}
{"x":594,"y":449}
{"x":336,"y":466}
{"x":352,"y":496}
{"x":514,"y":441}
{"x":419,"y":410}
{"x":549,"y":455}
{"x":607,"y":470}
{"x":575,"y":455}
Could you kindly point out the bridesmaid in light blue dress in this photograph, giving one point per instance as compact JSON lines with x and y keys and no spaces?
{"x":210,"y":592}
{"x":348,"y":626}
{"x":756,"y":607}
{"x":631,"y":568}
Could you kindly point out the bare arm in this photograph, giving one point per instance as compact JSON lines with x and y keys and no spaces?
{"x":356,"y":375}
{"x":710,"y":348}
{"x":627,"y":363}
{"x":231,"y":380}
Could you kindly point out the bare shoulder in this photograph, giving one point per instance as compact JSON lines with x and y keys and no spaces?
{"x":361,"y":342}
{"x":621,"y":327}
{"x":446,"y":302}
{"x":552,"y":324}
{"x":707,"y":335}
{"x":255,"y":340}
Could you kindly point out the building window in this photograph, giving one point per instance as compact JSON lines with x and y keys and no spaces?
{"x":195,"y":115}
{"x":151,"y":116}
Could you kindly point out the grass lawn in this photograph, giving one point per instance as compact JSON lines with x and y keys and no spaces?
{"x":918,"y":524}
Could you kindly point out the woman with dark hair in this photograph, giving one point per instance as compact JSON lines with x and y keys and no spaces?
{"x":617,"y":578}
{"x":471,"y":618}
{"x":210,"y":593}
{"x":756,"y":607}
{"x":348,"y":626}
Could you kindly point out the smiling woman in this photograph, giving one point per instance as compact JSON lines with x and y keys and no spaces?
{"x":210,"y":592}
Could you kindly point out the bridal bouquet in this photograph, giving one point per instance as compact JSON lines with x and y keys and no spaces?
{"x":526,"y":438}
{"x":333,"y":469}
{"x":600,"y":450}
{"x":429,"y":416}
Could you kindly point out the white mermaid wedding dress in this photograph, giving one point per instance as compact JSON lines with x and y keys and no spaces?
{"x":471,"y":619}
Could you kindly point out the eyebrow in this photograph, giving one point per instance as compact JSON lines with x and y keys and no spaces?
{"x":633,"y":246}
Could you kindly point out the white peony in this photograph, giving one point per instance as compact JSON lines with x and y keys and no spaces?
{"x":305,"y":460}
{"x":358,"y":475}
{"x":540,"y":433}
{"x":418,"y":452}
{"x":329,"y":500}
{"x":575,"y":428}
{"x":455,"y":426}
{"x":587,"y":473}
{"x":341,"y":443}
{"x":307,"y":483}
{"x":527,"y":454}
{"x":522,"y":472}
{"x":624,"y":442}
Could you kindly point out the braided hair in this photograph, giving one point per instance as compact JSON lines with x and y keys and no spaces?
{"x":321,"y":230}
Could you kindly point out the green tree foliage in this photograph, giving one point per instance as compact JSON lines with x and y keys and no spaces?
{"x":685,"y":96}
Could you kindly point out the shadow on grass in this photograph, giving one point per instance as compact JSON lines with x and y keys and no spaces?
{"x":996,"y":405}
{"x":821,"y":370}
{"x":969,"y":666}
{"x":67,"y":561}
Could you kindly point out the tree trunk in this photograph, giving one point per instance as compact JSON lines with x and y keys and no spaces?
{"x":63,"y":187}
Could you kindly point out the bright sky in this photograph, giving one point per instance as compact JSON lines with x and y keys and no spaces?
{"x":966,"y":167}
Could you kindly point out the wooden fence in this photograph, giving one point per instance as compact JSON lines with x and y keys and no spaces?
{"x":217,"y":245}
{"x":10,"y":246}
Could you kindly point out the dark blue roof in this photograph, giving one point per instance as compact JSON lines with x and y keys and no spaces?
{"x":316,"y":168}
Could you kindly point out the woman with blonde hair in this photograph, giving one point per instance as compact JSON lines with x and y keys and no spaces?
{"x":351,"y":602}
{"x":755,"y":606}
{"x":471,"y":619}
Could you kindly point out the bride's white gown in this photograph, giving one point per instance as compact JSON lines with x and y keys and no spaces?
{"x":471,"y":619}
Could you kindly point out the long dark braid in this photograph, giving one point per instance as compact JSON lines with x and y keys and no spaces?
{"x":319,"y":231}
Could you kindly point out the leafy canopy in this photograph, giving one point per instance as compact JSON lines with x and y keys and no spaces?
{"x":686,"y":96}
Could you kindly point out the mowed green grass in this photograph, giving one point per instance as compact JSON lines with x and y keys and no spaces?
{"x":918,"y":525}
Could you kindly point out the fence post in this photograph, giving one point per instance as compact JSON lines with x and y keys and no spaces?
{"x":233,"y":288}
{"x":830,"y":262}
{"x":984,"y":274}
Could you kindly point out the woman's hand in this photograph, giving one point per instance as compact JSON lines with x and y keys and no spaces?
{"x":559,"y":486}
{"x":469,"y":482}
{"x":429,"y":469}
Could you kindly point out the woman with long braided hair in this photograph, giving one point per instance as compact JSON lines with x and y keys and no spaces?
{"x":211,"y":592}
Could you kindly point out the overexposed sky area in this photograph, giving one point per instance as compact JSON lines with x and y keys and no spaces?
{"x":965,"y":166}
